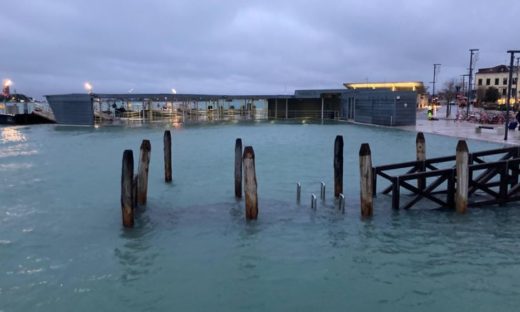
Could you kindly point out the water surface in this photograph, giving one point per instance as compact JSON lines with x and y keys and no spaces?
{"x":62,"y":246}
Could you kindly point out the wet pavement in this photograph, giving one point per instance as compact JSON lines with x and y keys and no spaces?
{"x":463,"y":129}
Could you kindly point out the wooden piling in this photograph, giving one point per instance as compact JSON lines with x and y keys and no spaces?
{"x":250,"y":185}
{"x":420,"y":146}
{"x":366,"y":180}
{"x":338,"y":166}
{"x":134,"y":191}
{"x":396,"y":192}
{"x":238,"y":168}
{"x":167,"y":139}
{"x":142,"y":179}
{"x":462,"y":168}
{"x":298,"y":192}
{"x":127,"y":175}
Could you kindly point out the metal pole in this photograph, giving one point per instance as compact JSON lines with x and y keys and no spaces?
{"x":511,"y":63}
{"x":472,"y":51}
{"x":322,"y":105}
{"x":516,"y":85}
{"x":434,"y":79}
{"x":341,"y":204}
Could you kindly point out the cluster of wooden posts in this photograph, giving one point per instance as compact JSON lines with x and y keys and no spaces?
{"x":134,"y":189}
{"x":459,"y":180}
{"x":245,"y":163}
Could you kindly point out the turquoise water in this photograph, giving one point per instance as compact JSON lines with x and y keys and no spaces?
{"x":62,"y":247}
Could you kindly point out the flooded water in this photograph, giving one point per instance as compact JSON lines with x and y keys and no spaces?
{"x":62,"y":246}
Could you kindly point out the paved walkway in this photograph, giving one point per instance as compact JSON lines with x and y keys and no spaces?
{"x":463,"y":129}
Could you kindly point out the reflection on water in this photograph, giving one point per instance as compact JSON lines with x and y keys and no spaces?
{"x":11,"y":134}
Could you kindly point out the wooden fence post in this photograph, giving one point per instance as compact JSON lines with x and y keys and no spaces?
{"x":167,"y":156}
{"x":238,"y":168}
{"x":127,"y":176}
{"x":338,"y":166}
{"x":366,"y":180}
{"x":462,"y":167}
{"x":420,"y":147}
{"x":142,"y":179}
{"x":250,"y":183}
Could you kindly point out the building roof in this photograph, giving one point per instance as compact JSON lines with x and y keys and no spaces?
{"x":177,"y":97}
{"x":395,"y":85}
{"x":496,"y":69}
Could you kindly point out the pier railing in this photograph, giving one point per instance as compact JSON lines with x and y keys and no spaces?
{"x":495,"y":180}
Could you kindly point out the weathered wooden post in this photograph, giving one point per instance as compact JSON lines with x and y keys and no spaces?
{"x":250,"y":183}
{"x":366,"y":180}
{"x":238,"y":168}
{"x":134,"y":191}
{"x":167,"y":156}
{"x":142,"y":175}
{"x":338,"y":165}
{"x":462,"y":167}
{"x":298,"y":192}
{"x":420,"y":146}
{"x":127,"y":176}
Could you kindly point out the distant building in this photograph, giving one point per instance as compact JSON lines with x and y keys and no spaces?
{"x":415,"y":86}
{"x":496,"y":77}
{"x":388,"y":104}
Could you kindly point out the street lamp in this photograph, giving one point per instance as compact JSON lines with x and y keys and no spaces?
{"x":88,"y":87}
{"x":5,"y":91}
{"x":472,"y":51}
{"x":512,"y":52}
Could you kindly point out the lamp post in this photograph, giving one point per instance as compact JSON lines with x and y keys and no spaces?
{"x":435,"y":69}
{"x":511,"y":63}
{"x":472,"y":51}
{"x":516,"y":84}
{"x":5,"y":92}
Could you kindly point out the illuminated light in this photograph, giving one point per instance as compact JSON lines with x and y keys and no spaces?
{"x":393,"y":88}
{"x":7,"y":83}
{"x":88,"y":87}
{"x":385,"y":85}
{"x":174,"y":91}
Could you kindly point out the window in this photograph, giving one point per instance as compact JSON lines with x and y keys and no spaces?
{"x":515,"y":80}
{"x":504,"y":82}
{"x":513,"y":91}
{"x":480,"y":81}
{"x":488,"y":82}
{"x":496,"y":81}
{"x":504,"y":91}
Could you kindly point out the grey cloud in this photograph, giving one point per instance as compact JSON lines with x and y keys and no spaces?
{"x":53,"y":46}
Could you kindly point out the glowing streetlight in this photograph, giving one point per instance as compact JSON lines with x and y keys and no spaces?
{"x":88,"y":87}
{"x":8,"y":83}
{"x":5,"y":89}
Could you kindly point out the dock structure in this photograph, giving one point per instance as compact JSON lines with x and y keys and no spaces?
{"x":489,"y":181}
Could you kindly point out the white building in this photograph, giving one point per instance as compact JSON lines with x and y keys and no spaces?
{"x":496,"y":77}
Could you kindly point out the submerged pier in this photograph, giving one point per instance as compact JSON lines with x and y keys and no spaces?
{"x":456,"y":181}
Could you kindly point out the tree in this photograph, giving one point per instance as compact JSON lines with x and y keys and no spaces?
{"x":449,"y":93}
{"x":481,"y":94}
{"x":492,"y":95}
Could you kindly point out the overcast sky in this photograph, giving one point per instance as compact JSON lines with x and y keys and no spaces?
{"x":244,"y":47}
